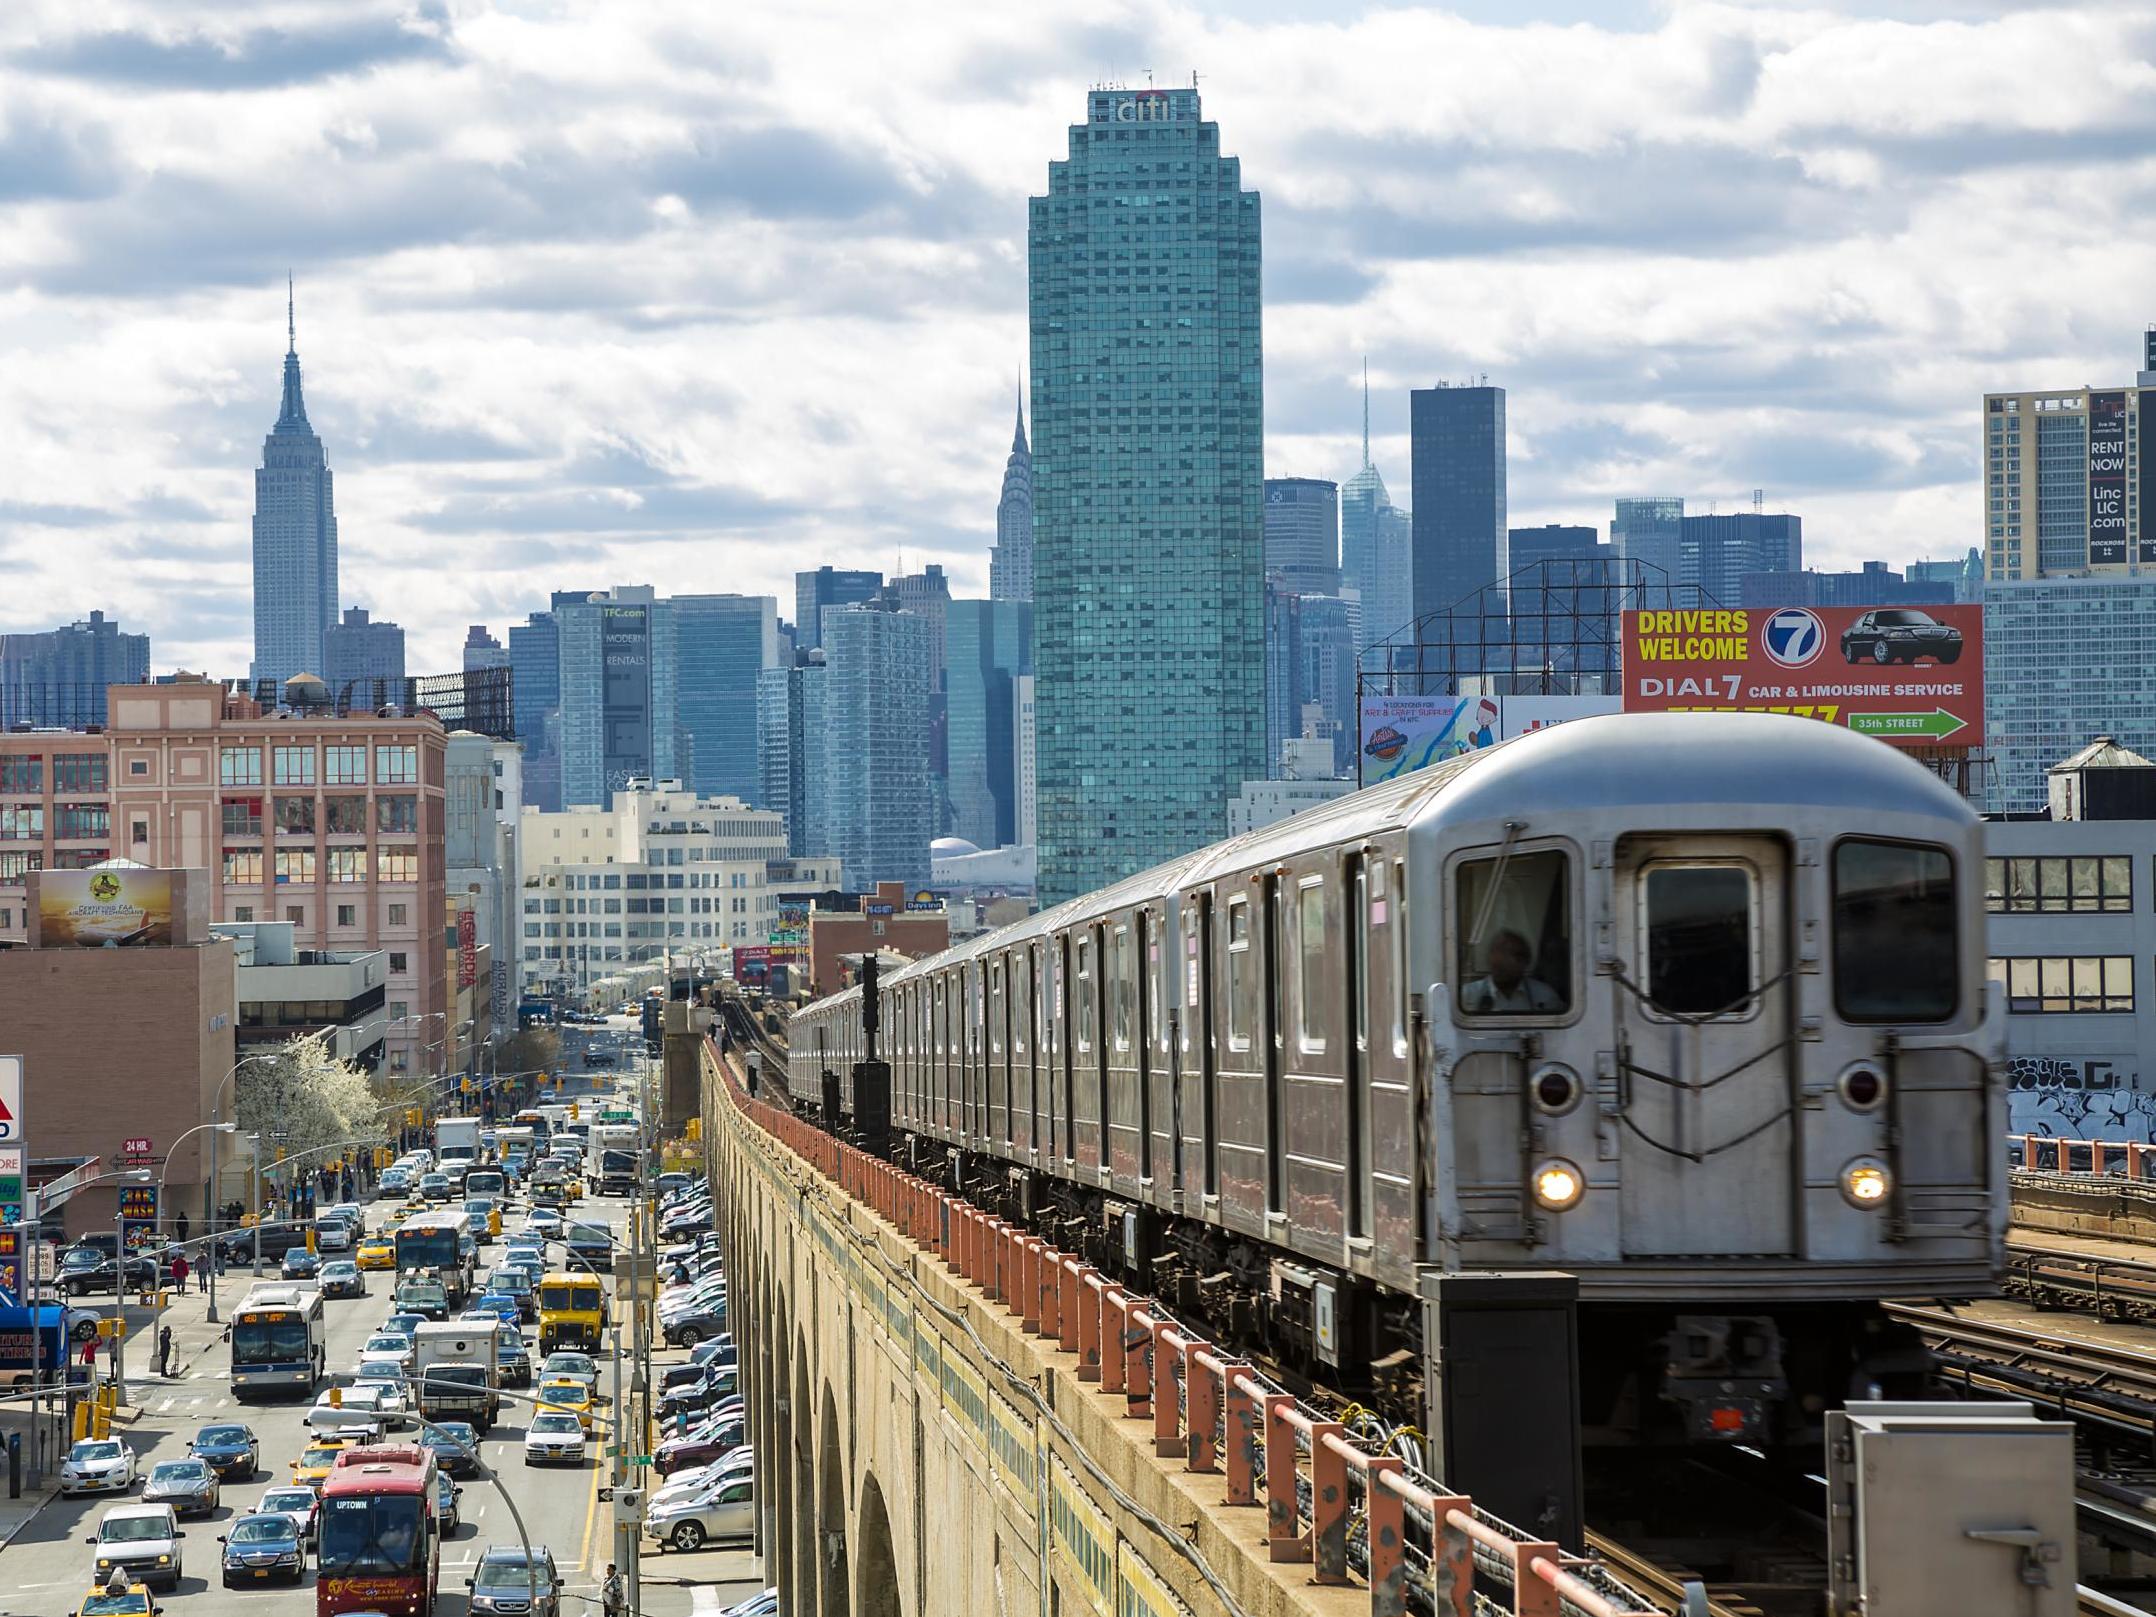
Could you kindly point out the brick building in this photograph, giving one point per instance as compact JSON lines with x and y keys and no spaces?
{"x":885,"y":920}
{"x":330,"y":821}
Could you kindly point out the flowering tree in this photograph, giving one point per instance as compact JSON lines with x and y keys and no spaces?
{"x":305,"y":1099}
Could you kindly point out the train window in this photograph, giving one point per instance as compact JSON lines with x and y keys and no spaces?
{"x":1190,"y":975}
{"x":1895,"y":955}
{"x":1396,"y":918}
{"x":1699,"y":923}
{"x":1238,"y":948}
{"x":995,"y":1007}
{"x":1311,"y":962}
{"x":1122,"y":990}
{"x":1359,"y":986}
{"x":1082,"y":997}
{"x":1022,"y":1006}
{"x":1515,"y":932}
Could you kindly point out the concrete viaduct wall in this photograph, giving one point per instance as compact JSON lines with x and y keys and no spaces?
{"x":925,"y":1451}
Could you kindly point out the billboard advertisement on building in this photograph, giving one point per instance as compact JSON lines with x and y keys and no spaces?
{"x":2107,"y":479}
{"x":104,"y":909}
{"x":1913,"y":676}
{"x":1401,"y":734}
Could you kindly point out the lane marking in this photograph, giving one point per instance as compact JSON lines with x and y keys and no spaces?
{"x":591,"y":1518}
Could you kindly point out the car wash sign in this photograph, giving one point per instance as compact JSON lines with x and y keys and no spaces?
{"x":1909,"y":675}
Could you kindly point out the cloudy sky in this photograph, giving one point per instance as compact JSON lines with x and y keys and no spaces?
{"x":697,"y":292}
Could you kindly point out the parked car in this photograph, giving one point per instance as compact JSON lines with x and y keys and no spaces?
{"x":713,"y":1442}
{"x":510,"y":1576}
{"x":1900,"y":634}
{"x":261,"y":1547}
{"x":101,"y":1465}
{"x":189,"y":1486}
{"x":725,"y":1512}
{"x":232,"y":1451}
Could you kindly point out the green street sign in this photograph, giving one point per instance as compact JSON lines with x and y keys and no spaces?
{"x":640,"y":1459}
{"x":1936,"y":725}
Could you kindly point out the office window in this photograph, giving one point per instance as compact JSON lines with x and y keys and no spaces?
{"x":243,"y":912}
{"x":344,"y":766}
{"x":399,"y":961}
{"x":396,"y":814}
{"x":2051,"y":985}
{"x":78,"y":772}
{"x":296,"y":914}
{"x":346,"y":816}
{"x":295,"y":865}
{"x":79,"y":858}
{"x":139,"y":833}
{"x":239,"y":766}
{"x":295,"y":816}
{"x":242,"y":816}
{"x":399,"y":915}
{"x":74,"y":821}
{"x":2080,"y":884}
{"x":398,"y":864}
{"x":396,"y":1010}
{"x":14,"y":866}
{"x":244,"y":866}
{"x":21,"y":774}
{"x":294,"y":766}
{"x":347,"y":914}
{"x":22,"y":822}
{"x":396,"y":766}
{"x":347,"y":864}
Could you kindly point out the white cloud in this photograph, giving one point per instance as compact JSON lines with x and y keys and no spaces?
{"x":594,"y":291}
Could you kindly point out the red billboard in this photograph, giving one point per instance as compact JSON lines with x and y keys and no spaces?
{"x":467,"y":948}
{"x":1911,"y":675}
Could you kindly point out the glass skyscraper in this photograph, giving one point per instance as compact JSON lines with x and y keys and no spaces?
{"x":1148,"y":436}
{"x":2065,"y":661}
{"x":1302,"y":533}
{"x":57,"y":680}
{"x":535,"y":690}
{"x":1457,"y":454}
{"x":987,"y":645}
{"x":295,"y":538}
{"x":879,"y":803}
{"x":721,"y":644}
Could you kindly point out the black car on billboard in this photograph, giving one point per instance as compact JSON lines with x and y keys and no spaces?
{"x":1900,"y":634}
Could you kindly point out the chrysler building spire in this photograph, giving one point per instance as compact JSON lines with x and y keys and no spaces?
{"x":1010,"y":564}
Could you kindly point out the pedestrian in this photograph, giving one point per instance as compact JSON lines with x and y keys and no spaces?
{"x":179,"y":1272}
{"x":164,"y":1350}
{"x":202,"y":1269}
{"x":182,"y":1225}
{"x":613,"y":1594}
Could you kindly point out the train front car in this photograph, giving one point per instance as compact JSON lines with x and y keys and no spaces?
{"x":1706,"y":1017}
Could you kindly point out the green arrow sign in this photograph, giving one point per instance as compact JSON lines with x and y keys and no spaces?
{"x":1936,"y":725}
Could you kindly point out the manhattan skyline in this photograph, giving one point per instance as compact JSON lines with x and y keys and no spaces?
{"x":632,"y":313}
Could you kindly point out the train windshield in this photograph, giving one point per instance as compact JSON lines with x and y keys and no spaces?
{"x":378,"y":1534}
{"x":1515,"y":931}
{"x":1895,"y":953}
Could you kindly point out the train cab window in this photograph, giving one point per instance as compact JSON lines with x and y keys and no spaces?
{"x":1515,"y":931}
{"x":1238,"y":949}
{"x":1895,"y":955}
{"x":1312,"y":959}
{"x":1700,"y":923}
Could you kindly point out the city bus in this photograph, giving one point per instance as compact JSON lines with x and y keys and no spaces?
{"x":439,"y":1240}
{"x":378,"y":1544}
{"x":277,"y":1340}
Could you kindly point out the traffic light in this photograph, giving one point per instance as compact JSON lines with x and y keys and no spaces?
{"x":573,"y":1111}
{"x":310,"y":1238}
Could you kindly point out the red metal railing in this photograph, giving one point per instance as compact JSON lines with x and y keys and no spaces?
{"x":2046,"y":1153}
{"x":1328,"y":1501}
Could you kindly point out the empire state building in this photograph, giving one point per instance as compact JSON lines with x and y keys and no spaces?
{"x":295,"y":537}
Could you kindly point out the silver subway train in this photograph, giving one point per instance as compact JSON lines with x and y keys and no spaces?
{"x":1690,"y":1006}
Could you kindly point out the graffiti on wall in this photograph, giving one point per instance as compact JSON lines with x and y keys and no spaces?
{"x":2089,"y":1099}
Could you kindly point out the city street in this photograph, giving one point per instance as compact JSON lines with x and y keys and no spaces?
{"x":49,"y":1565}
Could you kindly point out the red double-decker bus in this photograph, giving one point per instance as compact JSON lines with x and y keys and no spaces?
{"x":380,"y":1544}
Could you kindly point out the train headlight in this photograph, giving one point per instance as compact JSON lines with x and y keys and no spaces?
{"x":1862,"y":1087}
{"x":1558,"y":1185}
{"x":1555,"y":1088}
{"x":1865,"y":1183}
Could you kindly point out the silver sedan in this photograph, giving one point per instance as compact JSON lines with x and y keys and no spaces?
{"x":188,"y":1486}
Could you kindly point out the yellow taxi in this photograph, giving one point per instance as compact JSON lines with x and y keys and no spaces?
{"x":314,"y":1461}
{"x":376,"y":1252}
{"x":116,"y":1598}
{"x":565,"y":1393}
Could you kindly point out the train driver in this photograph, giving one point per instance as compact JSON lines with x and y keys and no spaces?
{"x":1508,"y":989}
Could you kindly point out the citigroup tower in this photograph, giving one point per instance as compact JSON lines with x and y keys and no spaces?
{"x":1149,"y":592}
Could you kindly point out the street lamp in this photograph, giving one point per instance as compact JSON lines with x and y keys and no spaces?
{"x":217,"y":1101}
{"x":215,"y":1129}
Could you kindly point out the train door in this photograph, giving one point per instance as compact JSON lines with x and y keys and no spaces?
{"x":1194,"y":1162}
{"x":1160,"y":1075}
{"x":1708,"y":1087}
{"x":1121,"y":1081}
